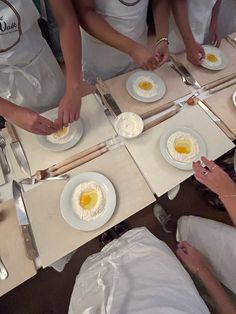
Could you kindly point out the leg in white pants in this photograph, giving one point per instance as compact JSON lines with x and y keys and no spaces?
{"x":217,"y":242}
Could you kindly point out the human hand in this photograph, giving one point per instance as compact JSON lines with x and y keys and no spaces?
{"x":214,"y":36}
{"x":30,"y":121}
{"x":69,"y":107}
{"x":144,"y":58}
{"x":195,"y":53}
{"x":191,"y":257}
{"x":214,"y":177}
{"x":161,"y":52}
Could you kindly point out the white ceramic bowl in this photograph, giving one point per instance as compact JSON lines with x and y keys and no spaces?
{"x":234,"y":98}
{"x":129,"y":124}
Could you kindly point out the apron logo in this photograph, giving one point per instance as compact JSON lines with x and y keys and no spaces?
{"x":4,"y":27}
{"x":10,"y":26}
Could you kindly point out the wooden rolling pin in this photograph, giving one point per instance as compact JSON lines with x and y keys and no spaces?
{"x":157,"y":110}
{"x":219,"y":82}
{"x":77,"y":156}
{"x":162,"y":118}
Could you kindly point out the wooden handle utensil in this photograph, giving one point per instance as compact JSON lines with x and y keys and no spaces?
{"x":157,"y":110}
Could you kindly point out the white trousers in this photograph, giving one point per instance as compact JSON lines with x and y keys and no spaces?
{"x":217,"y":241}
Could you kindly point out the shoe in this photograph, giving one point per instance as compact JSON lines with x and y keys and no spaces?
{"x":120,"y":229}
{"x":162,"y":216}
{"x":105,"y":238}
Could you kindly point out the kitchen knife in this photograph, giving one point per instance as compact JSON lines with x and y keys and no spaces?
{"x":217,"y":120}
{"x":110,"y":101}
{"x":23,"y":220}
{"x":184,"y":71}
{"x":18,"y":150}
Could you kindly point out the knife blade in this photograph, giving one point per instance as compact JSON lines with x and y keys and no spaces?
{"x":216,"y":119}
{"x":18,"y":150}
{"x":184,"y":71}
{"x":110,"y":101}
{"x":23,"y":220}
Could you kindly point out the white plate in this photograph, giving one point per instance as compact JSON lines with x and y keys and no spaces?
{"x":161,"y":87}
{"x":217,"y":52}
{"x":170,"y":159}
{"x":234,"y":98}
{"x":66,"y":205}
{"x":76,"y":127}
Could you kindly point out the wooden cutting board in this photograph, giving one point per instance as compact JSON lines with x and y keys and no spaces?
{"x":12,"y":249}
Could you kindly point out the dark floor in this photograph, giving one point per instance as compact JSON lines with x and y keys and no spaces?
{"x":49,"y":291}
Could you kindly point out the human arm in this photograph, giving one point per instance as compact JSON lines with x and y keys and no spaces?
{"x":70,"y":39}
{"x":26,"y":119}
{"x":213,"y":28}
{"x":219,"y":182}
{"x":96,"y":26}
{"x":161,"y":15}
{"x":198,"y":265}
{"x":194,"y":50}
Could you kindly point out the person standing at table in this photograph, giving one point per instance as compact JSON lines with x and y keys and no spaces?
{"x":197,"y":23}
{"x":31,"y":81}
{"x":115,"y":36}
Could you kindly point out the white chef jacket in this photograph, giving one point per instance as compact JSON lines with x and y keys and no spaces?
{"x":127,"y":17}
{"x":135,"y":274}
{"x":29,"y":73}
{"x":199,"y":15}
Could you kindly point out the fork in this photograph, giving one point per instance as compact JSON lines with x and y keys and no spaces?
{"x":183,"y":78}
{"x":5,"y":166}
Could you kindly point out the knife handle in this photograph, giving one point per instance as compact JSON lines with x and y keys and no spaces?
{"x":226,"y":130}
{"x":31,"y":250}
{"x":157,"y":110}
{"x":12,"y":132}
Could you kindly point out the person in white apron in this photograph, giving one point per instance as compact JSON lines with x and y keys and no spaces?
{"x":31,"y":81}
{"x":115,"y":36}
{"x":197,"y":24}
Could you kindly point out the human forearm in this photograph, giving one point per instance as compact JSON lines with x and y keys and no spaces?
{"x":161,"y":14}
{"x":229,"y":201}
{"x":221,"y":299}
{"x":180,"y":12}
{"x":97,"y":26}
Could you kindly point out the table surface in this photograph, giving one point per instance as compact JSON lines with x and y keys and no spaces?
{"x":145,"y":170}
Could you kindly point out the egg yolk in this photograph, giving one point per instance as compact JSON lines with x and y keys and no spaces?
{"x":183,"y":146}
{"x":61,"y":132}
{"x":145,"y":85}
{"x":211,"y":57}
{"x":88,"y":199}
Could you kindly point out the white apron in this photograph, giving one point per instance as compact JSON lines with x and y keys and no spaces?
{"x":136,"y":274}
{"x":199,"y":15}
{"x":127,"y":17}
{"x":29,"y":73}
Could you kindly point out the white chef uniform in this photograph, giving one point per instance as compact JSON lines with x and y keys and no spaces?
{"x":135,"y":274}
{"x":199,"y":15}
{"x":29,"y":73}
{"x":127,"y":17}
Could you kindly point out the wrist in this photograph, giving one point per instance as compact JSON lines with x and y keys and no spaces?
{"x":229,"y":193}
{"x":131,"y":47}
{"x":161,"y":41}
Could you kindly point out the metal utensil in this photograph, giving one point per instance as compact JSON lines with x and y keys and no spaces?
{"x":177,"y":71}
{"x":5,"y":165}
{"x":3,"y":271}
{"x":18,"y":150}
{"x":34,"y":179}
{"x":185,"y":73}
{"x":217,"y":120}
{"x":23,"y":220}
{"x":110,"y":101}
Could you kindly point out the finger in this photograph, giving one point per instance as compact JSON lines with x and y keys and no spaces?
{"x":202,"y":51}
{"x":66,"y":118}
{"x":47,"y":124}
{"x":72,"y":117}
{"x":200,"y":177}
{"x":77,"y":116}
{"x":209,"y":163}
{"x":197,"y":167}
{"x":60,"y":119}
{"x":43,"y":130}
